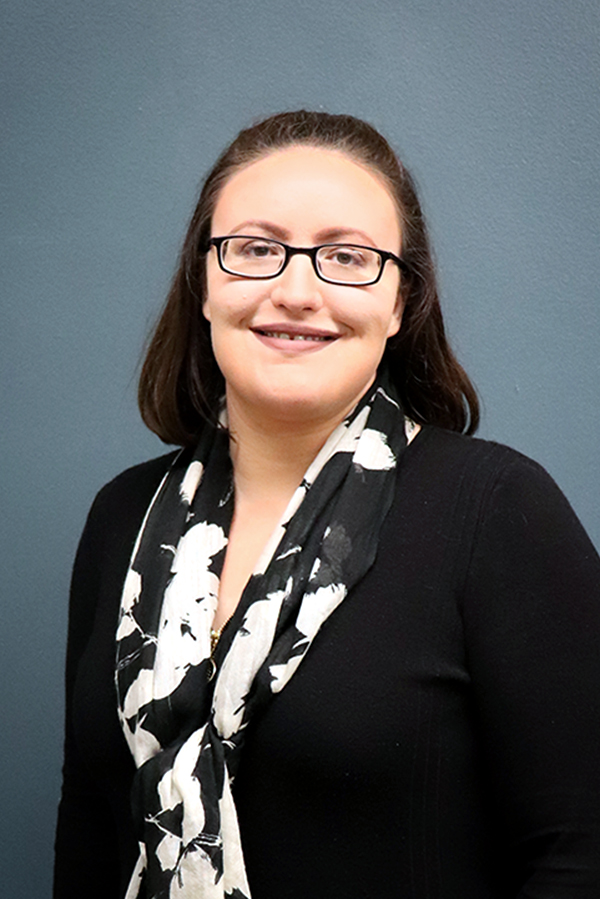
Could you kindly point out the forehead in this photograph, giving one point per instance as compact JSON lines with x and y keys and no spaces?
{"x":305,"y":190}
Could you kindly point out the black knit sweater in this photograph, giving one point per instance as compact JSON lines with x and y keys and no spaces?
{"x":441,"y":740}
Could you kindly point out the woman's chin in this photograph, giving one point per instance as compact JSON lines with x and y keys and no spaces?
{"x":287,"y":404}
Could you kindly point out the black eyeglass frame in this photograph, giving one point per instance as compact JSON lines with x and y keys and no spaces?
{"x":311,"y":252}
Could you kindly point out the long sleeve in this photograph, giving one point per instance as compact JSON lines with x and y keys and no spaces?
{"x":532,"y":634}
{"x":96,"y":847}
{"x":86,"y":850}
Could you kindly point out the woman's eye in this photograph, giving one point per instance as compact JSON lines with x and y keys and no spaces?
{"x":346,"y":257}
{"x":257,"y":249}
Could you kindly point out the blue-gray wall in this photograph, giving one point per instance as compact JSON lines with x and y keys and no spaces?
{"x":113,"y":110}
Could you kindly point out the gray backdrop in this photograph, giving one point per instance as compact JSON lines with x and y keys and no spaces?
{"x":114,"y":109}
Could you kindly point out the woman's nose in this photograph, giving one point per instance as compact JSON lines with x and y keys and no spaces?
{"x":298,"y":287}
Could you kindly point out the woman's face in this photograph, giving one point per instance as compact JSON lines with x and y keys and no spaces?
{"x":303,"y":196}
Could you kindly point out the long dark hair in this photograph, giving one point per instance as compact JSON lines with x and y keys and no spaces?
{"x":181,"y":385}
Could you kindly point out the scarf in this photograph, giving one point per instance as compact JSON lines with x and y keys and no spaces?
{"x":183,"y":709}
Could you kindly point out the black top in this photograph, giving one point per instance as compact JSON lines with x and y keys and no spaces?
{"x":441,"y":738}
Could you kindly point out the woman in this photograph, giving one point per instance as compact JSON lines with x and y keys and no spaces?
{"x":356,"y":650}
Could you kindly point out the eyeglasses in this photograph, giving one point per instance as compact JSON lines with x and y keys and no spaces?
{"x":337,"y":263}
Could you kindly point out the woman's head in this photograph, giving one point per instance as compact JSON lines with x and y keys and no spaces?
{"x":181,"y":382}
{"x":301,"y":342}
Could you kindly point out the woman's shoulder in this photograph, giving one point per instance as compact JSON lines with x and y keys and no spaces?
{"x":143,"y":477}
{"x":125,"y":498}
{"x":440,"y":456}
{"x":437,"y":445}
{"x":489,"y":483}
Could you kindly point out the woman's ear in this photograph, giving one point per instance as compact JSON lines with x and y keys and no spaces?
{"x":396,"y":319}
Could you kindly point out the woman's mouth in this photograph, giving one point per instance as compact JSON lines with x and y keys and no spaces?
{"x":294,"y":333}
{"x":285,"y":335}
{"x":292,"y":340}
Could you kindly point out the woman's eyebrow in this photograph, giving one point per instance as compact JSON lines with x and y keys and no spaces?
{"x":337,"y":234}
{"x":268,"y":227}
{"x":326,"y":235}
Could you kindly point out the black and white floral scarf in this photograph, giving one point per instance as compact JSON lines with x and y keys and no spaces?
{"x":185,"y":719}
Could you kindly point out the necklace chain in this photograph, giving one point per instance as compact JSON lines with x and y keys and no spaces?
{"x":214,"y":638}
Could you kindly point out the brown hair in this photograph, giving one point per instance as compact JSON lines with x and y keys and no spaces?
{"x":181,"y":384}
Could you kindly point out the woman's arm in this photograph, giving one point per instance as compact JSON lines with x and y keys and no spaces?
{"x":96,"y":847}
{"x":532,"y":621}
{"x":86,"y":851}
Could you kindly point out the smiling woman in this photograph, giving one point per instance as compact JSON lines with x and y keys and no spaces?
{"x":181,"y":384}
{"x":305,"y":195}
{"x":354,"y":649}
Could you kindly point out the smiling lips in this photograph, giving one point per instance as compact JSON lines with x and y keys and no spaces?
{"x":276,"y":333}
{"x":283,"y":336}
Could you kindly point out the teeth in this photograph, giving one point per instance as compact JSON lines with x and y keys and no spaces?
{"x":283,"y":335}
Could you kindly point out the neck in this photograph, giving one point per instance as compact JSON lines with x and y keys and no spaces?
{"x":270,"y":457}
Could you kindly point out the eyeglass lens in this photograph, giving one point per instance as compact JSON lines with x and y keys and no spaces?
{"x":259,"y":258}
